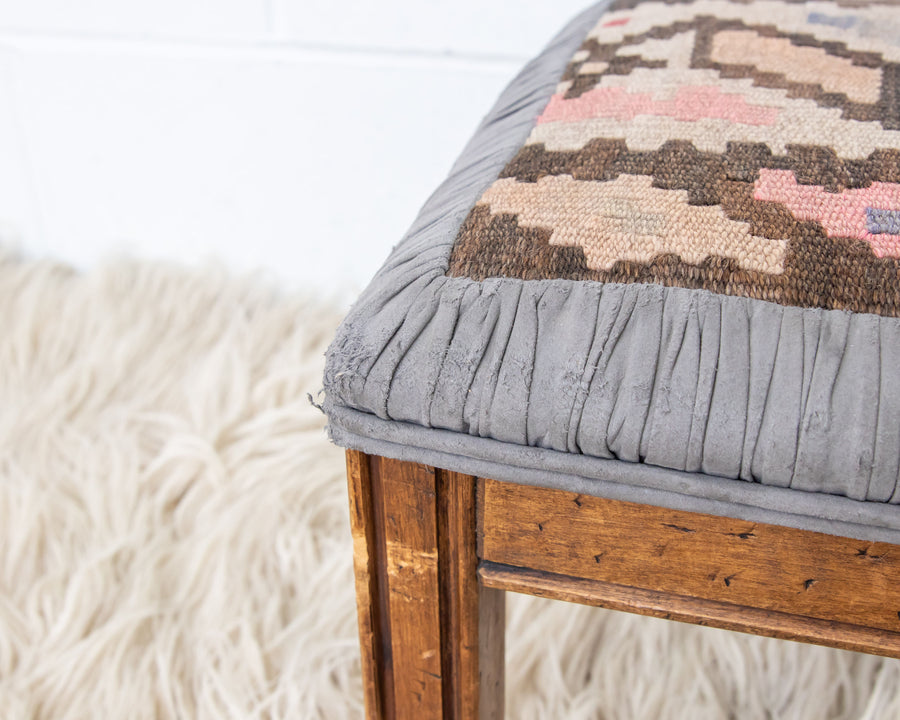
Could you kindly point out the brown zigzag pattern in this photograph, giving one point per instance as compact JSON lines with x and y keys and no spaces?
{"x":886,"y":110}
{"x":616,"y":65}
{"x":829,"y":273}
{"x":678,"y":165}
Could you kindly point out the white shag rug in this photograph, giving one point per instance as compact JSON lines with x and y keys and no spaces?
{"x":174,"y":539}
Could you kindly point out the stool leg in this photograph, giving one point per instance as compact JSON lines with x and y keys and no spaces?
{"x":431,"y":637}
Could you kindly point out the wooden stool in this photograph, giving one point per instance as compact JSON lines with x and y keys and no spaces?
{"x":434,"y":550}
{"x":639,"y":351}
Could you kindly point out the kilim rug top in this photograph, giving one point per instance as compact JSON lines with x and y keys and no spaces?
{"x":747,"y":148}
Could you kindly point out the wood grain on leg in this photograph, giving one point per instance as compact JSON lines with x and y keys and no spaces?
{"x":429,"y":631}
{"x":369,"y":608}
{"x":473,"y":616}
{"x":408,"y":500}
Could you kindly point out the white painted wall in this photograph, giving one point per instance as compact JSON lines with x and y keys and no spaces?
{"x":296,"y":136}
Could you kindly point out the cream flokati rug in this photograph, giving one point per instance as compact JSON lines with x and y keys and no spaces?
{"x":174,"y":538}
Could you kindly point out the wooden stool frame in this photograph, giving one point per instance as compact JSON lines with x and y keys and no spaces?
{"x":434,"y":550}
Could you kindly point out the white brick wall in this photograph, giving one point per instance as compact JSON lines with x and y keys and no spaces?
{"x":198,"y":19}
{"x":295,"y":136}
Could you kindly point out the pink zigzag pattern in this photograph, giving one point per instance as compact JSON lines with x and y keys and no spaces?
{"x":841,"y":214}
{"x":691,"y":103}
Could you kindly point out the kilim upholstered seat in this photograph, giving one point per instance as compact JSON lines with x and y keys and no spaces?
{"x":657,"y":300}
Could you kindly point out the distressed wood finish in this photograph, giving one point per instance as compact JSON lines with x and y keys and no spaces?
{"x":710,"y":558}
{"x":434,"y":551}
{"x":431,"y":635}
{"x":368,"y":605}
{"x":408,"y":499}
{"x":473,"y":616}
{"x":691,"y":610}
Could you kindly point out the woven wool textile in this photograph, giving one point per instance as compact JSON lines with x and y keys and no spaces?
{"x":750,"y":149}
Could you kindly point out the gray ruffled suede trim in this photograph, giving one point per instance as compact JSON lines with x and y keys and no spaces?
{"x":639,"y":392}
